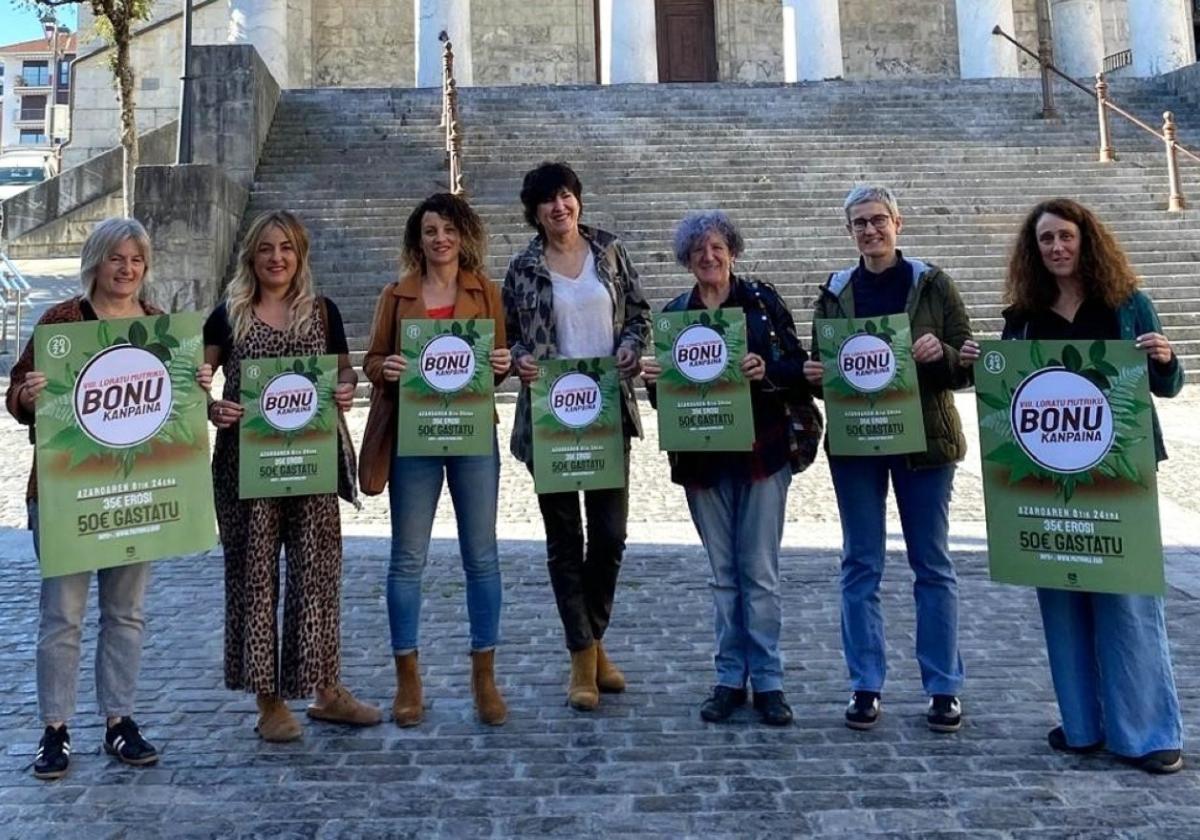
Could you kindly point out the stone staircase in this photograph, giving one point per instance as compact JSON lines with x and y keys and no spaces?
{"x":966,"y":159}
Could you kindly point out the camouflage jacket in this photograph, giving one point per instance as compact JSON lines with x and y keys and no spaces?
{"x":528,"y":296}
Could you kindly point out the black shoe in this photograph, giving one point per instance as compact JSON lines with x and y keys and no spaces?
{"x":722,"y":703}
{"x":53,"y":754}
{"x":1159,"y":762}
{"x":772,"y":709}
{"x":1058,"y":741}
{"x":124,"y":741}
{"x":863,"y":711}
{"x":945,"y":713}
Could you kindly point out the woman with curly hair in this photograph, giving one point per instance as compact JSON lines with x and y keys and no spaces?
{"x":1068,"y":279}
{"x":270,"y":309}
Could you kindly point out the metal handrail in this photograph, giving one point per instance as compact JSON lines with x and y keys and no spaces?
{"x":13,"y":290}
{"x":1104,"y":105}
{"x":450,"y":120}
{"x":1119,"y":59}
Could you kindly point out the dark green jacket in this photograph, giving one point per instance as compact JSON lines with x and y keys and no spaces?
{"x":934,"y":306}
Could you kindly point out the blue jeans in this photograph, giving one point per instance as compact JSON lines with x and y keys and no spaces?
{"x":118,"y":645}
{"x":414,"y":488}
{"x":741,"y":526}
{"x":1112,"y":670}
{"x":923,"y":499}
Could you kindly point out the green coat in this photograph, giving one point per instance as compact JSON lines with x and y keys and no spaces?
{"x":934,"y":306}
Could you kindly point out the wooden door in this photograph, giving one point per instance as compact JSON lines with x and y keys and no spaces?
{"x":687,"y":40}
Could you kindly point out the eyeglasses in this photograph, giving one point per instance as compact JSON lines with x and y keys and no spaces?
{"x":878,"y":222}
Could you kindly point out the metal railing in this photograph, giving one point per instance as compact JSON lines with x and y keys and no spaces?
{"x":13,"y":291}
{"x":1104,"y":105}
{"x":450,"y":120}
{"x":1117,"y":60}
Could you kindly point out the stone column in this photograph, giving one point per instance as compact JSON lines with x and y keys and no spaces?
{"x":264,"y":25}
{"x":1078,"y":37}
{"x":982,"y":55}
{"x":1160,"y":36}
{"x":628,"y":42}
{"x":812,"y":40}
{"x":431,"y":18}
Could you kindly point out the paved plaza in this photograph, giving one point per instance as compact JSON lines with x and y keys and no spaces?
{"x":643,"y":763}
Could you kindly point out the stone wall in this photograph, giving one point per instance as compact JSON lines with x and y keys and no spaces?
{"x":363,"y":43}
{"x":1025,"y":23}
{"x":518,"y":42}
{"x":899,"y":38}
{"x":749,"y":40}
{"x":1116,"y":26}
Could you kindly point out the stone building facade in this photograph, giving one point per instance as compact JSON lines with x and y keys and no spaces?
{"x":395,"y":43}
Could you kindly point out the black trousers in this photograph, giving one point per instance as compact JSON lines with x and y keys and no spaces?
{"x":585,"y":579}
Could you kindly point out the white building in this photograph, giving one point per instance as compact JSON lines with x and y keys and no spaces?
{"x":27,"y":115}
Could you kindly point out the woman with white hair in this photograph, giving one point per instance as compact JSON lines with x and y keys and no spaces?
{"x":737,"y":499}
{"x":884,"y":282}
{"x":114,"y":270}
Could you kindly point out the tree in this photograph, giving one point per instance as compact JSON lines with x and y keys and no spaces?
{"x":114,"y":22}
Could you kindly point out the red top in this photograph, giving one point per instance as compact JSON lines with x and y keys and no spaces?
{"x":441,"y":312}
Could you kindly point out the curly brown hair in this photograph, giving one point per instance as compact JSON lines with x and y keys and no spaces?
{"x":1104,"y":268}
{"x":454,"y":209}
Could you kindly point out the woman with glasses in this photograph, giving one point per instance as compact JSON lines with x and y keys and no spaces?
{"x":884,"y":282}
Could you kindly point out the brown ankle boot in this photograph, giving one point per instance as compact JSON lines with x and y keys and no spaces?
{"x":582,"y":693}
{"x":276,"y":723}
{"x":408,"y":707}
{"x":489,"y":703}
{"x":609,"y":678}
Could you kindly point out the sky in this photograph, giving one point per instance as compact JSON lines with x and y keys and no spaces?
{"x":19,"y":23}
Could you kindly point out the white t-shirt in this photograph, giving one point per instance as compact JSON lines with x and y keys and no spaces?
{"x":583,"y":313}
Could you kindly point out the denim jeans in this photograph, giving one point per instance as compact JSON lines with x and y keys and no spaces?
{"x":414,"y":488}
{"x":741,"y":526}
{"x":1112,"y":670}
{"x":923,"y":499}
{"x":118,"y":644}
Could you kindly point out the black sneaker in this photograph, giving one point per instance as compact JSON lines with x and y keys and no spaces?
{"x":1159,"y":762}
{"x":722,"y":703}
{"x":1057,"y":738}
{"x":53,"y":754}
{"x":125,"y":742}
{"x":863,"y":711}
{"x":945,"y":713}
{"x":772,"y":709}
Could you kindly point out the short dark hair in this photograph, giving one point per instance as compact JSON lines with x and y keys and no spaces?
{"x":544,"y":182}
{"x":454,"y":209}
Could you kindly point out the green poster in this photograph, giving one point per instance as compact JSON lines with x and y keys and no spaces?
{"x":446,"y":402}
{"x":122,"y":443}
{"x":1069,"y":474}
{"x":872,"y":403}
{"x":577,"y":439}
{"x":703,"y":396}
{"x":287,"y":441}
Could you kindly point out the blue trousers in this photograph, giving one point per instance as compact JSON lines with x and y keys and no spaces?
{"x":414,"y":488}
{"x":741,"y":525}
{"x":1112,"y":670}
{"x":923,"y":500}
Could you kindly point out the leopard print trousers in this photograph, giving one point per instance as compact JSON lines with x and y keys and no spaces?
{"x":307,"y":528}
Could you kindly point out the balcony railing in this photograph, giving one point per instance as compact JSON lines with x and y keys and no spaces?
{"x":32,"y":116}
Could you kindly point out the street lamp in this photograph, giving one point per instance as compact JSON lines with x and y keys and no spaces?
{"x":183,"y":149}
{"x":50,"y":30}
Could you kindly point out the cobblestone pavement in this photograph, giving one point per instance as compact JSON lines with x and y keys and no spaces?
{"x":643,"y":763}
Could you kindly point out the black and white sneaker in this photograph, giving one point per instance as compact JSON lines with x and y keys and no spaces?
{"x":125,"y":742}
{"x":945,"y":713}
{"x":863,"y":711}
{"x":53,"y":754}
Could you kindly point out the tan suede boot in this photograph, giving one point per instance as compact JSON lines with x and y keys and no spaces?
{"x":342,"y":707}
{"x":276,"y":723}
{"x":489,"y":703}
{"x":582,"y":693}
{"x":408,"y":708}
{"x":609,"y":678}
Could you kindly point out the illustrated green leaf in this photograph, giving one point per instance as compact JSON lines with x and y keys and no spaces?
{"x":1106,"y":368}
{"x":1095,"y":377}
{"x":1096,"y":352}
{"x":869,"y":327}
{"x":160,"y":350}
{"x":992,"y":401}
{"x":56,"y":387}
{"x":162,"y":326}
{"x":1036,"y":356}
{"x":104,"y":334}
{"x":1071,"y":359}
{"x":137,"y":334}
{"x":456,"y":328}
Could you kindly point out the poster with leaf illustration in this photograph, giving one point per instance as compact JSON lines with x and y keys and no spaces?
{"x":872,"y":403}
{"x":703,"y":396}
{"x":122,"y":443}
{"x":287,"y":440}
{"x":446,"y":402}
{"x":577,"y":439}
{"x":1067,"y":443}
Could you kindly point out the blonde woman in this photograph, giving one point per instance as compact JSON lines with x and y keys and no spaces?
{"x":270,"y":310}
